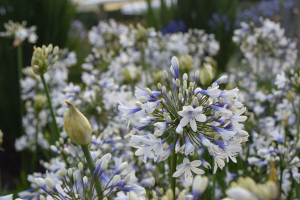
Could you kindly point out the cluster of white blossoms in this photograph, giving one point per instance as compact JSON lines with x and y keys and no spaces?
{"x":266,"y":49}
{"x":19,"y":32}
{"x":191,"y":118}
{"x":133,"y":54}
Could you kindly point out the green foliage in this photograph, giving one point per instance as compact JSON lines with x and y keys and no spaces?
{"x":53,"y":19}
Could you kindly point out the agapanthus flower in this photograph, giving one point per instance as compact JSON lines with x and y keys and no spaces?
{"x":190,"y":117}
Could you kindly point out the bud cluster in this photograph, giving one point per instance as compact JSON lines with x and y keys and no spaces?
{"x":44,"y":59}
{"x":75,"y":183}
{"x":246,"y":188}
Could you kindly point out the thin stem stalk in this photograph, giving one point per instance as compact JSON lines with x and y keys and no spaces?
{"x":36,"y":146}
{"x":214,"y":186}
{"x":173,"y":167}
{"x":91,"y":165}
{"x":20,"y":66}
{"x":50,"y":107}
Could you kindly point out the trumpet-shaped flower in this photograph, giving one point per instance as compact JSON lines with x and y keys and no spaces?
{"x":186,"y":169}
{"x":190,"y":115}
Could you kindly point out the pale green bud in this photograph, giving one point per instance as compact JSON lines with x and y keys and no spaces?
{"x":63,"y":171}
{"x":165,"y":74}
{"x":185,"y":76}
{"x":163,"y":89}
{"x":272,"y":189}
{"x":42,"y":197}
{"x":75,"y":177}
{"x":169,"y":120}
{"x":80,"y":166}
{"x":177,"y":82}
{"x":182,"y":196}
{"x":159,"y":86}
{"x":77,"y":126}
{"x":56,"y":50}
{"x":133,"y":196}
{"x":70,"y":172}
{"x":169,"y":193}
{"x":149,"y":92}
{"x":39,"y":102}
{"x":161,"y":191}
{"x":206,"y":75}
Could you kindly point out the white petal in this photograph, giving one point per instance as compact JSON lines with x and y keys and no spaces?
{"x":193,"y":124}
{"x":197,"y":171}
{"x":196,"y":163}
{"x":179,"y":129}
{"x":184,"y":121}
{"x":188,"y":176}
{"x":178,"y":172}
{"x":200,"y":118}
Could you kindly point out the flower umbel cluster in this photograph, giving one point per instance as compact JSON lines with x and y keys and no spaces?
{"x":190,"y":118}
{"x":75,"y":183}
{"x":19,"y":32}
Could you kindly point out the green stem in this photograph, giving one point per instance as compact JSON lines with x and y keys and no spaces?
{"x":173,"y":167}
{"x":51,"y":108}
{"x":214,"y":186}
{"x":298,"y":122}
{"x":90,"y":162}
{"x":20,"y":66}
{"x":36,"y":146}
{"x":296,"y":185}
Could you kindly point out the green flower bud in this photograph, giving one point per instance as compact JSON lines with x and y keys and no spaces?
{"x":77,"y":126}
{"x":206,"y":75}
{"x":39,"y":102}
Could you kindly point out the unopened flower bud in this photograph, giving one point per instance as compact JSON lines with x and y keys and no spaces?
{"x":180,"y":97}
{"x":161,"y":191}
{"x":152,"y":183}
{"x":163,"y":89}
{"x":206,"y":75}
{"x":127,"y":178}
{"x":185,"y":77}
{"x":159,"y":86}
{"x":133,"y":196}
{"x":85,"y":181}
{"x":166,"y":76}
{"x":77,"y":126}
{"x":70,"y":172}
{"x":169,"y":120}
{"x":42,"y":197}
{"x":74,"y":177}
{"x":80,"y":166}
{"x":49,"y":183}
{"x":169,"y":194}
{"x":197,"y":76}
{"x":177,"y":83}
{"x":115,"y":180}
{"x":56,"y":50}
{"x":121,"y":168}
{"x":149,"y":92}
{"x":63,"y":171}
{"x":66,"y":151}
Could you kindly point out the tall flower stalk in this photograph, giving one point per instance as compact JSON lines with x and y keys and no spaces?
{"x":20,"y":66}
{"x":43,"y":60}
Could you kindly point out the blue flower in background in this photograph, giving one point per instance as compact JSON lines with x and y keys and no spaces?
{"x":174,"y":26}
{"x":219,"y":20}
{"x":265,"y":9}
